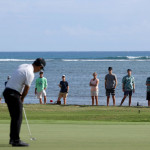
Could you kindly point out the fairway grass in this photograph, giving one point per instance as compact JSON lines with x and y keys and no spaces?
{"x":81,"y":128}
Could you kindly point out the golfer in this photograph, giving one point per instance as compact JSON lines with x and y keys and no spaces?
{"x":41,"y":86}
{"x":64,"y":90}
{"x":110,"y":85}
{"x":94,"y":88}
{"x":128,"y":86}
{"x":148,"y":90}
{"x":16,"y":90}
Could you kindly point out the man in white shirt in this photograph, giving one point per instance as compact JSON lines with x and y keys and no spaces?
{"x":16,"y":90}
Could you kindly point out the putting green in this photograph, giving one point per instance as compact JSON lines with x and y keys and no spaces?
{"x":81,"y":136}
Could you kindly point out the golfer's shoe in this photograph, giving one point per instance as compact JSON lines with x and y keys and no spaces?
{"x":19,"y":143}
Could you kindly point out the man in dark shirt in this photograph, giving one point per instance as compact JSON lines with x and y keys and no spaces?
{"x":64,"y":90}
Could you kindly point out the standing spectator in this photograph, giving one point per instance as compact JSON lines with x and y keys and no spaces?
{"x":64,"y":90}
{"x":94,"y":88}
{"x":128,"y":86}
{"x":8,"y":78}
{"x":40,"y":90}
{"x":148,"y":90}
{"x":110,"y":85}
{"x":5,"y":86}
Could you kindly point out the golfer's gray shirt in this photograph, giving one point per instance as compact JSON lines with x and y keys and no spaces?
{"x":110,"y":81}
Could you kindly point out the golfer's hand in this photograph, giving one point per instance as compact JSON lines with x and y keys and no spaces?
{"x":122,"y":90}
{"x":133,"y":90}
{"x":22,"y":99}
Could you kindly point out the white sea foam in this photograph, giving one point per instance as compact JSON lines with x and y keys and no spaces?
{"x":118,"y":58}
{"x":70,"y":59}
{"x":96,"y":60}
{"x":138,"y":57}
{"x":21,"y":60}
{"x":16,"y":60}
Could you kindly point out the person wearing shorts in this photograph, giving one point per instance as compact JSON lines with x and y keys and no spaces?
{"x":148,"y":90}
{"x":94,"y":88}
{"x":63,"y":91}
{"x":110,"y":85}
{"x":40,"y":89}
{"x":128,"y":86}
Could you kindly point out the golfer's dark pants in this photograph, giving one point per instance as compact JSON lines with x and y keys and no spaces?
{"x":12,"y":98}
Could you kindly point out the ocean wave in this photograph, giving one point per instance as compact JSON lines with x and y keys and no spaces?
{"x":21,"y":60}
{"x":129,"y":57}
{"x":118,"y":58}
{"x":96,"y":60}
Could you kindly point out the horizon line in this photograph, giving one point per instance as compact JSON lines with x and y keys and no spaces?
{"x":66,"y":51}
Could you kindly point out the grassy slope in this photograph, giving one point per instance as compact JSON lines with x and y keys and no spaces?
{"x":47,"y":113}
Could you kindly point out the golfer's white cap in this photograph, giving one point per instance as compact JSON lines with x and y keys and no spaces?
{"x":63,"y":76}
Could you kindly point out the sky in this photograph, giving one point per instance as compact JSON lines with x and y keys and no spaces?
{"x":74,"y":25}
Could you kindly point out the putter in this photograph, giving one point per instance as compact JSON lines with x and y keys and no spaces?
{"x":31,"y":138}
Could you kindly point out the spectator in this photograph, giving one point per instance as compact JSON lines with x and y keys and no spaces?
{"x":110,"y":85}
{"x":64,"y":90}
{"x":41,"y":86}
{"x":128,"y":86}
{"x":94,"y":88}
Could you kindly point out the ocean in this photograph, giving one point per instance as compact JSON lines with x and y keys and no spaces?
{"x":78,"y":68}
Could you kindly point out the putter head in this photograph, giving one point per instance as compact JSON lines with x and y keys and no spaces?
{"x":33,"y":139}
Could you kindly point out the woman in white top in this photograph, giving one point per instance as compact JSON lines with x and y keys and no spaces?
{"x":94,"y":88}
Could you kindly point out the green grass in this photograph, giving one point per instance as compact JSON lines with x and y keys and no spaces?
{"x":82,"y":113}
{"x":82,"y":137}
{"x":81,"y":128}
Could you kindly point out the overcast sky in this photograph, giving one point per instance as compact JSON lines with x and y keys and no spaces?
{"x":74,"y":25}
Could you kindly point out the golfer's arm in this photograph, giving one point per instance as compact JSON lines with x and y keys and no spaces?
{"x":147,"y":84}
{"x":133,"y":86}
{"x":25,"y":92}
{"x":35,"y":90}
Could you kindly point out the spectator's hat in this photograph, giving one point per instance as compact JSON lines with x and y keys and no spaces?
{"x":41,"y":72}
